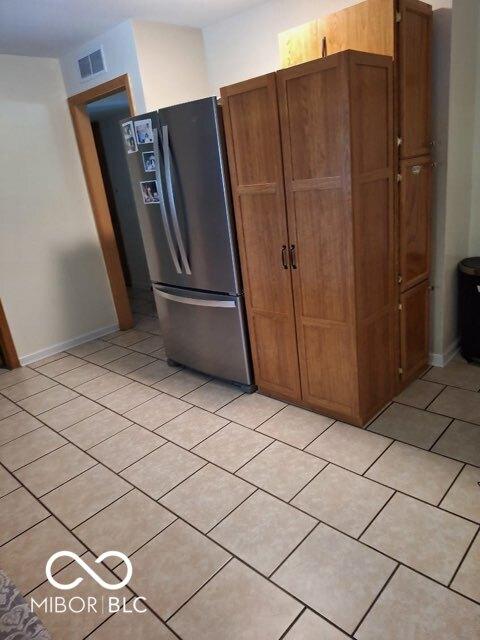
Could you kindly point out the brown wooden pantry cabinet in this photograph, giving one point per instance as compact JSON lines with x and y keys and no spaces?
{"x":331,"y":173}
{"x":312,"y":177}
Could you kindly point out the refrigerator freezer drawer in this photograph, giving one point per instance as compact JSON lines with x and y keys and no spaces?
{"x":205,"y":331}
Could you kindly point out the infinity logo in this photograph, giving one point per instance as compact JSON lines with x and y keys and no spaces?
{"x":87,"y":569}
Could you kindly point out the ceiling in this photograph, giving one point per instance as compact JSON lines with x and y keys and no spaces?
{"x":50,"y":28}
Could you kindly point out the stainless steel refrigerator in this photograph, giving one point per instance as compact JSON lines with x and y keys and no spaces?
{"x":179,"y":175}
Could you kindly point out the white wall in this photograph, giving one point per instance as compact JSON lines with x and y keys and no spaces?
{"x":474,"y":245}
{"x":125,"y":205}
{"x":120,"y":56}
{"x":442,"y":25}
{"x":246,"y":45}
{"x":459,"y":232}
{"x":53,"y":281}
{"x":165,"y":63}
{"x":172,"y":64}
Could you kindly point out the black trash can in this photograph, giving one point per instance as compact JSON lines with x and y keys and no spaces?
{"x":469,"y":308}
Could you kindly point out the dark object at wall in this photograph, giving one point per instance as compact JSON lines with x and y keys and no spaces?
{"x":469,"y":308}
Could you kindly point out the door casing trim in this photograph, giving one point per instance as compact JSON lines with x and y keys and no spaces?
{"x":96,"y":188}
{"x":7,"y":345}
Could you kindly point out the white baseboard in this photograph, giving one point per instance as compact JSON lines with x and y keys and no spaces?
{"x":68,"y":344}
{"x":441,"y":359}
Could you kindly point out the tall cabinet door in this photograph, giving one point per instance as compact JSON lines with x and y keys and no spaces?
{"x":414,"y":219}
{"x":315,"y":136}
{"x":414,"y":56}
{"x":254,"y":153}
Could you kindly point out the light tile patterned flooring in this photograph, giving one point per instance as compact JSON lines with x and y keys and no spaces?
{"x":244,"y":518}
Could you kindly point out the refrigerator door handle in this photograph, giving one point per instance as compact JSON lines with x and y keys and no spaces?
{"x":195,"y":301}
{"x":171,"y":199}
{"x":163,"y":209}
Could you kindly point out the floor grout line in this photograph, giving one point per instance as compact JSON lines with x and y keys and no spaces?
{"x":293,"y":623}
{"x":31,"y":395}
{"x":43,"y":455}
{"x":316,"y":524}
{"x":377,"y":458}
{"x":200,"y":588}
{"x":436,"y":396}
{"x":70,"y":562}
{"x":17,"y":535}
{"x":109,"y":504}
{"x":250,"y":495}
{"x":372,"y":520}
{"x":22,"y":434}
{"x":47,"y":493}
{"x":450,"y":485}
{"x":375,"y":600}
{"x":440,"y":436}
{"x":463,"y":558}
{"x":242,"y":466}
{"x":309,"y":482}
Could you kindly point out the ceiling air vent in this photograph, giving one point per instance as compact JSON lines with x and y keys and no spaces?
{"x":91,"y":64}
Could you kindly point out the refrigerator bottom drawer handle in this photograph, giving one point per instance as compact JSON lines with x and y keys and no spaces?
{"x":198,"y":302}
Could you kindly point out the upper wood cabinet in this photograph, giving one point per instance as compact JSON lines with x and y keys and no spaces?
{"x":414,"y":77}
{"x":336,"y":124}
{"x":367,"y":26}
{"x":254,"y":150}
{"x":398,"y":28}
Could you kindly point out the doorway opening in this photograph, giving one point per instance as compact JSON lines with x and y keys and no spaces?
{"x":95,"y":115}
{"x":104,"y":115}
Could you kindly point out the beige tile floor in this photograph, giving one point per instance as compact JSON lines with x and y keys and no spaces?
{"x":245,"y":518}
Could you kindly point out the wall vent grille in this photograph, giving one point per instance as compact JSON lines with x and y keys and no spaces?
{"x":91,"y":64}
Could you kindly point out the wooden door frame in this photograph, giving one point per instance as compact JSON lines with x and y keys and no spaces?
{"x":96,"y":188}
{"x":7,"y":345}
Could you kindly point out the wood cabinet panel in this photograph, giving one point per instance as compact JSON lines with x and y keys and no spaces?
{"x":276,"y":352}
{"x":264,"y":233}
{"x":414,"y":330}
{"x":371,"y":106}
{"x":367,"y":26}
{"x":376,"y":361}
{"x":414,"y":77}
{"x":312,"y":103}
{"x":328,"y":373}
{"x":252,"y":128}
{"x":414,"y":220}
{"x":371,"y":101}
{"x":375,"y":251}
{"x":300,"y":44}
{"x":254,"y":152}
{"x":321,"y":219}
{"x":315,"y":136}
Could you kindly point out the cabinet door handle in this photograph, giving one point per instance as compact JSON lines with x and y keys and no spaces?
{"x":284,"y":257}
{"x":293,"y":256}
